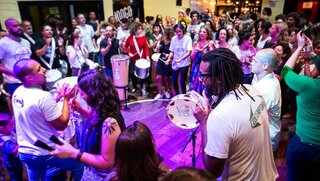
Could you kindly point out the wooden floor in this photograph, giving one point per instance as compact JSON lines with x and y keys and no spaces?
{"x":170,"y":139}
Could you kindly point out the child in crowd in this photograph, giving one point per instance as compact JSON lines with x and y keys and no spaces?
{"x":9,"y":147}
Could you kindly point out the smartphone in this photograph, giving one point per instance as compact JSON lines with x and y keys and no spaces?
{"x":55,"y":140}
{"x":41,"y":144}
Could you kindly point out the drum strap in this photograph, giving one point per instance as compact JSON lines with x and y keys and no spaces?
{"x":53,"y":49}
{"x":84,"y":58}
{"x":29,"y":38}
{"x":137,"y":47}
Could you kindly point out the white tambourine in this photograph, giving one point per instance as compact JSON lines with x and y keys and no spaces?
{"x":180,"y":111}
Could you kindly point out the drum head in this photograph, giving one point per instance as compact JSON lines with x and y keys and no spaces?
{"x":180,"y":111}
{"x":91,"y":64}
{"x":53,"y":75}
{"x":143,"y":63}
{"x":155,"y":57}
{"x":72,"y":81}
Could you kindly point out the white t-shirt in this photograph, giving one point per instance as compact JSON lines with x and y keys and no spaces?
{"x":261,"y":43}
{"x":242,"y":138}
{"x":10,"y":52}
{"x":244,"y":56}
{"x":269,"y":87}
{"x":79,"y":59}
{"x":121,"y":33}
{"x":33,"y":110}
{"x":180,"y":47}
{"x":87,"y":34}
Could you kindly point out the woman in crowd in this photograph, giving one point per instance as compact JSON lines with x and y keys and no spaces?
{"x":284,"y":52}
{"x":155,"y":37}
{"x":222,"y":37}
{"x":164,"y":70}
{"x":144,"y":162}
{"x":200,"y":47}
{"x":274,"y":33}
{"x":302,"y":157}
{"x":211,"y":26}
{"x":245,"y":51}
{"x":233,"y":35}
{"x":180,"y":50}
{"x":159,"y":21}
{"x":137,"y":47}
{"x":102,"y":128}
{"x":76,"y":53}
{"x":263,"y":30}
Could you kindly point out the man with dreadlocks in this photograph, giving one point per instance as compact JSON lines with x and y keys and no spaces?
{"x":235,"y":133}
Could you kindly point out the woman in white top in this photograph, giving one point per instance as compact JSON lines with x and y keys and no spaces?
{"x":76,"y":53}
{"x":263,"y":29}
{"x":245,"y":52}
{"x":180,"y":50}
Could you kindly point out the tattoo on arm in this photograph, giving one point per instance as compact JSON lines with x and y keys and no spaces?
{"x":109,"y":126}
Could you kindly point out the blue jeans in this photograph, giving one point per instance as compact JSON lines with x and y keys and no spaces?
{"x":47,"y":167}
{"x":11,"y":87}
{"x":183,"y":71}
{"x":303,"y":160}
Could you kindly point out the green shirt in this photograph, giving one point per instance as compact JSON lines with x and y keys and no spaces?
{"x":316,"y":60}
{"x":308,"y":103}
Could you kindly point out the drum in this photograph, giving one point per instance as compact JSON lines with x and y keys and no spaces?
{"x":142,"y":68}
{"x":91,"y":64}
{"x":120,"y":73}
{"x":155,"y":57}
{"x":72,"y":81}
{"x":180,"y":111}
{"x":53,"y":75}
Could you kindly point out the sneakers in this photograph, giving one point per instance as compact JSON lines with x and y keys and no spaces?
{"x":167,"y":94}
{"x":158,"y":96}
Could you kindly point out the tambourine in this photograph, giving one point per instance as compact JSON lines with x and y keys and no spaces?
{"x":180,"y":111}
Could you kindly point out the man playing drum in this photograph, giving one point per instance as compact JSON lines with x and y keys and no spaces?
{"x":38,"y":117}
{"x":48,"y":50}
{"x":235,"y":134}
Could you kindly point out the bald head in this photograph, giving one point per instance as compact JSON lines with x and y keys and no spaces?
{"x":13,"y":27}
{"x":268,"y":56}
{"x":9,"y":22}
{"x":22,"y":68}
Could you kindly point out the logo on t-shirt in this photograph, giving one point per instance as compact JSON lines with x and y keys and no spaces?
{"x":257,"y":106}
{"x":18,"y":101}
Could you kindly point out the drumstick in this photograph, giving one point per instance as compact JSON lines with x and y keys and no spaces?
{"x":162,"y":60}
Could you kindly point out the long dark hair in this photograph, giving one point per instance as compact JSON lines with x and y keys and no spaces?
{"x":224,"y":66}
{"x":142,"y":162}
{"x":102,"y":95}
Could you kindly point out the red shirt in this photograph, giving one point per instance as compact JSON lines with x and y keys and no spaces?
{"x":142,"y":44}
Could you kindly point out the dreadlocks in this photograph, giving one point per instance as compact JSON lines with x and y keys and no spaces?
{"x":225,"y":67}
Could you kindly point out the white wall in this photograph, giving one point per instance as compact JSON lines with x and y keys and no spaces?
{"x":9,"y":9}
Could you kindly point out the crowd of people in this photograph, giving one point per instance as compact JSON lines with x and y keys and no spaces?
{"x":245,"y":65}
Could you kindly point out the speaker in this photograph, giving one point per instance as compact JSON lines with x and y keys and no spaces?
{"x":179,"y":3}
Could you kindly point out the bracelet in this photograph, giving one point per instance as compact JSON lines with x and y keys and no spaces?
{"x":79,"y":155}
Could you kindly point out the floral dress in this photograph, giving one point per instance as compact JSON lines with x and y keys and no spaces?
{"x":195,"y":83}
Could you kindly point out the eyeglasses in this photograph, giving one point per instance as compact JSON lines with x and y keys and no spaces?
{"x":204,"y":76}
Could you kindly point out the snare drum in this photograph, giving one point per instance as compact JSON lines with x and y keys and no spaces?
{"x":142,"y":68}
{"x":53,"y":75}
{"x":180,"y":111}
{"x":155,"y":57}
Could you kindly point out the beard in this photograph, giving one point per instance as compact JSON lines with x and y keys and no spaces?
{"x":18,"y":33}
